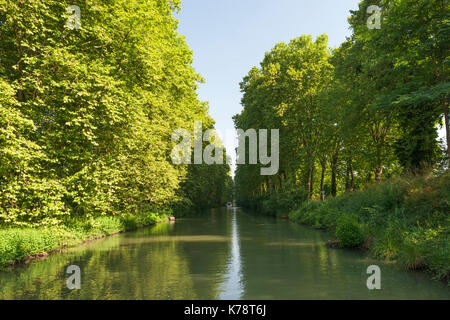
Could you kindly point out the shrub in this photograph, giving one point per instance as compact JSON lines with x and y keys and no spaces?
{"x":17,"y":244}
{"x":129,"y":222}
{"x":108,"y":225}
{"x":403,"y":220}
{"x":348,"y":232}
{"x":437,"y":257}
{"x":148,"y":218}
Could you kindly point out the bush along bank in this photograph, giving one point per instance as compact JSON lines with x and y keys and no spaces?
{"x":403,"y":221}
{"x":18,"y":244}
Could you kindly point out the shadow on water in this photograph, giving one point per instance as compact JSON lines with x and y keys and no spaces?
{"x":226,"y":254}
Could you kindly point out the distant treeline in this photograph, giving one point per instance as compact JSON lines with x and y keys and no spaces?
{"x":87,"y":114}
{"x":363,"y":112}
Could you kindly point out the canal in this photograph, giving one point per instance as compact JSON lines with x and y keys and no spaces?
{"x":225,"y":254}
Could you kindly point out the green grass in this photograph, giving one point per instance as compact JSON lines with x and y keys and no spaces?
{"x":17,"y":244}
{"x":406,"y":221}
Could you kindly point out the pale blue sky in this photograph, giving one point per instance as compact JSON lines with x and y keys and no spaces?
{"x":229,"y":37}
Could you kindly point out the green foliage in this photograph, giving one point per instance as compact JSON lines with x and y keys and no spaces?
{"x":86,"y":116}
{"x":368,"y":110}
{"x":317,"y":214}
{"x":411,"y":51}
{"x":16,"y":244}
{"x":149,"y":218}
{"x":206,"y":186}
{"x":106,"y":225}
{"x":129,"y":222}
{"x":27,"y":195}
{"x":348,"y":232}
{"x":365,"y":112}
{"x":280,"y":204}
{"x":282,"y":94}
{"x":402,"y":220}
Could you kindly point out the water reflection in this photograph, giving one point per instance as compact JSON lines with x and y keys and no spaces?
{"x":219,"y":255}
{"x":233,"y":287}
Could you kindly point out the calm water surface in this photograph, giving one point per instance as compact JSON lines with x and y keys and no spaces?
{"x":223,"y":255}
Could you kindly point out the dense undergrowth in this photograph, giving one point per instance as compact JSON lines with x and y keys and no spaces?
{"x":406,"y":221}
{"x":16,"y":244}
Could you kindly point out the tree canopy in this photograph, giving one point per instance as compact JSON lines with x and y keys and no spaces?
{"x":87,"y":114}
{"x":366,"y":110}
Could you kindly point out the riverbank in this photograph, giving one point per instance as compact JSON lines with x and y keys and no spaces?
{"x":19,"y":245}
{"x":403,"y":221}
{"x":224,"y":254}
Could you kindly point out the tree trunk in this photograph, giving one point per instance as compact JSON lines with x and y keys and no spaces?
{"x":310,"y":184}
{"x":322,"y":178}
{"x":378,"y":173}
{"x":347,"y":179}
{"x":379,"y":168}
{"x":352,"y":176}
{"x":334,"y":161}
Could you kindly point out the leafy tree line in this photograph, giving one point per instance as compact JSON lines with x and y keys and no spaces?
{"x":365,"y":111}
{"x":86,"y":115}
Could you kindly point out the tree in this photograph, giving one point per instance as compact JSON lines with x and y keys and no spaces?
{"x":103,"y":99}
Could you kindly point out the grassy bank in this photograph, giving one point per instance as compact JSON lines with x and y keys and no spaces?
{"x":404,"y":221}
{"x":17,"y":244}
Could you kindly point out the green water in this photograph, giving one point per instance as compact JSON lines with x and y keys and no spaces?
{"x":223,"y":255}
